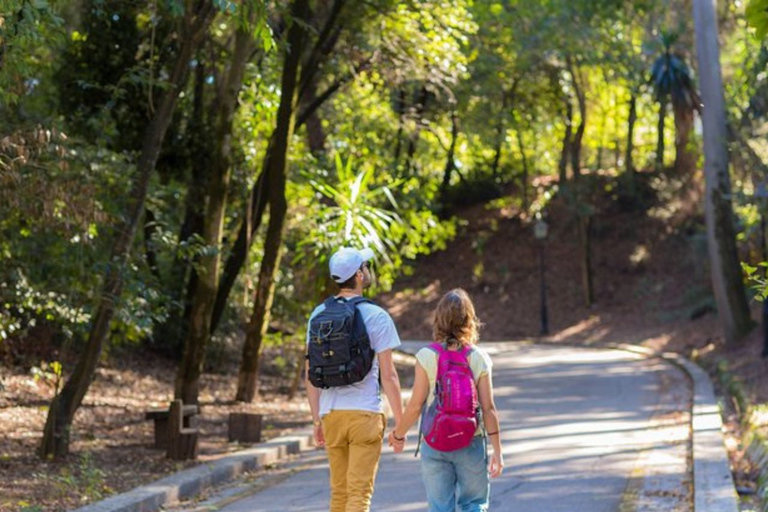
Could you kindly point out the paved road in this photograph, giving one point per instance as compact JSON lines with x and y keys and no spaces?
{"x":583,"y":431}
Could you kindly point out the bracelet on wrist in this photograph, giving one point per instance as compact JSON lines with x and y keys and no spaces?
{"x":397,"y":438}
{"x":317,"y":423}
{"x":492,"y":433}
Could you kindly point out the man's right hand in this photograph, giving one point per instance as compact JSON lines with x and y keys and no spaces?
{"x":319,"y":435}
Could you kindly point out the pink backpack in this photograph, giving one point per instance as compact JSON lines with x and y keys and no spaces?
{"x":450,"y":421}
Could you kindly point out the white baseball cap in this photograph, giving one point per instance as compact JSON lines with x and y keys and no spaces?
{"x":346,"y":261}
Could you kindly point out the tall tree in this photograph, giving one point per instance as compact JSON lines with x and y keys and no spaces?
{"x":207,"y":283}
{"x":579,"y":84}
{"x":55,"y":443}
{"x":672,"y":80}
{"x":247,"y":381}
{"x":721,"y":237}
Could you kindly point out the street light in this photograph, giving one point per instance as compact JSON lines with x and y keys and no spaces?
{"x":540,"y":231}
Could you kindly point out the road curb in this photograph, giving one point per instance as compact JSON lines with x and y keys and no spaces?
{"x":188,"y":483}
{"x":713,"y":486}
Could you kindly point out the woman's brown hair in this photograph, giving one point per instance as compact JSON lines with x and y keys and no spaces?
{"x":455,"y":319}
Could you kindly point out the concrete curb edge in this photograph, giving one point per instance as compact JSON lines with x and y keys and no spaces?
{"x":713,"y":486}
{"x":188,"y":483}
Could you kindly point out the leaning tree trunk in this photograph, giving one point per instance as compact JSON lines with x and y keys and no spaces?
{"x":721,"y":240}
{"x":198,"y":332}
{"x":660,"y":135}
{"x":55,"y":441}
{"x":685,"y":156}
{"x":247,"y":380}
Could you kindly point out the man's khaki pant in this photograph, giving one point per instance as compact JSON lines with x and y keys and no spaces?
{"x":353,"y":441}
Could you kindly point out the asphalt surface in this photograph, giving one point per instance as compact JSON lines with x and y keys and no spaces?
{"x":582,"y":430}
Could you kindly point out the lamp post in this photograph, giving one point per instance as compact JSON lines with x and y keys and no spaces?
{"x":540,"y":231}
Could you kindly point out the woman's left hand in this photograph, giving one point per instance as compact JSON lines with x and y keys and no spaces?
{"x":496,"y":464}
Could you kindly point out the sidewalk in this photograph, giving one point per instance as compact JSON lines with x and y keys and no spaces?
{"x":712,"y":483}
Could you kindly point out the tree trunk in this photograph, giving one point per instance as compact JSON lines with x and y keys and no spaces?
{"x":55,"y":442}
{"x":199,"y":330}
{"x":629,"y":166}
{"x":521,"y":148}
{"x":585,"y":235}
{"x":449,"y":159}
{"x":258,"y":198}
{"x":401,"y":97}
{"x":170,"y":334}
{"x":316,"y":136}
{"x":566,"y":151}
{"x":413,"y":140}
{"x":150,"y":228}
{"x":254,"y":212}
{"x":721,"y":240}
{"x":579,"y":135}
{"x":660,"y":135}
{"x":247,"y":381}
{"x":500,"y":132}
{"x":685,"y":156}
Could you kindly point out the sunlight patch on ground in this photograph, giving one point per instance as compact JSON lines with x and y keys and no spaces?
{"x":578,"y":328}
{"x":639,"y":256}
{"x":402,"y":301}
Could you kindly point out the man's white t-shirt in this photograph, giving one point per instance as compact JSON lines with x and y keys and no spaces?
{"x":364,"y":395}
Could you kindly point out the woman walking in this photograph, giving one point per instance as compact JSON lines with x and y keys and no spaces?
{"x":455,"y":466}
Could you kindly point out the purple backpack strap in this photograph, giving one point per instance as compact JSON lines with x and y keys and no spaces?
{"x":437,"y":347}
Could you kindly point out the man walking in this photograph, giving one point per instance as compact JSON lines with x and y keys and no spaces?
{"x":349,"y":352}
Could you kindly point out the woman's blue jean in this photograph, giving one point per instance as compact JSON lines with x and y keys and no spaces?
{"x":457,"y":478}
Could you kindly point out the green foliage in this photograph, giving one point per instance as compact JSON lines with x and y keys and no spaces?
{"x":84,"y":479}
{"x":50,"y":373}
{"x":59,"y":201}
{"x":757,"y":280}
{"x":757,"y":16}
{"x":28,"y":30}
{"x":354,"y":207}
{"x":671,"y":78}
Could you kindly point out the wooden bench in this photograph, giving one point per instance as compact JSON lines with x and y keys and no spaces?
{"x":182,"y":442}
{"x":160,"y":416}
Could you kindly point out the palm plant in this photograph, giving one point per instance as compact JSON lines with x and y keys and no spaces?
{"x":351,"y":214}
{"x":672,"y":80}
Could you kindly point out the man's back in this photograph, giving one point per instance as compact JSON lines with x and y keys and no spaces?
{"x":363,"y":395}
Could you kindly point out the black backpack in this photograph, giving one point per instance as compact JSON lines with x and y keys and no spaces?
{"x":339,"y":350}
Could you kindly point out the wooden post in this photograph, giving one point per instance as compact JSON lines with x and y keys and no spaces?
{"x":244,"y":427}
{"x":182,"y":442}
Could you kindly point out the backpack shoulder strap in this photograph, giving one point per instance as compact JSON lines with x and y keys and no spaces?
{"x":437,"y":347}
{"x":330,"y":301}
